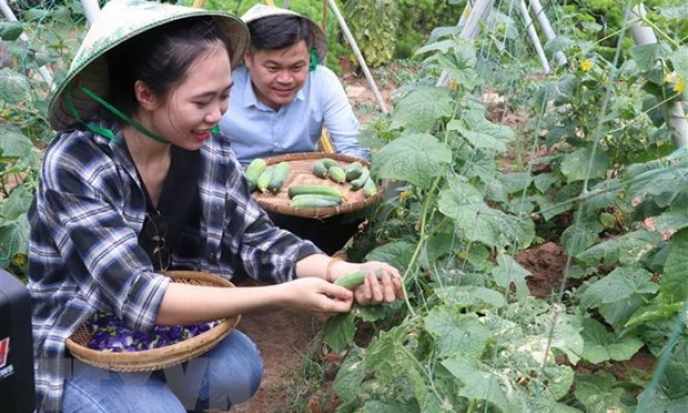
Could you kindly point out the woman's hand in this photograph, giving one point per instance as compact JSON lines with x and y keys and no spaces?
{"x":318,"y":296}
{"x":382,"y":282}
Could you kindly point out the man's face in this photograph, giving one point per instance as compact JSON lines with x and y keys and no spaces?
{"x":277,"y":75}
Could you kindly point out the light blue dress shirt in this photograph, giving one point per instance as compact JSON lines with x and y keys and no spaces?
{"x":258,"y":131}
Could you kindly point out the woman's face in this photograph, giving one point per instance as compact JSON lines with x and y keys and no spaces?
{"x":277,"y":75}
{"x":191,"y":110}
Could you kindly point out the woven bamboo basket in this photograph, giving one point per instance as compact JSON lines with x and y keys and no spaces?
{"x":162,"y":357}
{"x":301,"y":173}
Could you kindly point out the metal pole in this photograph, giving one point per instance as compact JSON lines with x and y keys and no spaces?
{"x":676,"y":117}
{"x":470,"y":29}
{"x":541,"y":17}
{"x":534,"y":36}
{"x":350,"y":38}
{"x":43,"y":71}
{"x":91,"y":9}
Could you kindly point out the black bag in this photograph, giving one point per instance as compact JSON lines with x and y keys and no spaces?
{"x":17,"y":385}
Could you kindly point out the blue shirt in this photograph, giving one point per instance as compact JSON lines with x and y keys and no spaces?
{"x":258,"y":131}
{"x":84,"y":254}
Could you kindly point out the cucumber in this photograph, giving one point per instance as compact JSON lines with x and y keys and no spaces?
{"x":353,"y":279}
{"x":358,"y":183}
{"x":369,"y":188}
{"x":314,"y":201}
{"x":314,"y":190}
{"x":353,"y":171}
{"x":279,"y":176}
{"x":10,"y":31}
{"x":265,"y":178}
{"x":314,"y":197}
{"x":253,"y":171}
{"x":336,"y":174}
{"x":319,"y":169}
{"x":329,"y":162}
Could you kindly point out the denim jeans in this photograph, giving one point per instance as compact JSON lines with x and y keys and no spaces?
{"x":228,"y":374}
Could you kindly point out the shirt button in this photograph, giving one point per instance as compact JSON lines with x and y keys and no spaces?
{"x":212,"y":256}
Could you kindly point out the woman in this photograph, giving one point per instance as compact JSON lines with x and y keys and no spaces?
{"x":136,"y":183}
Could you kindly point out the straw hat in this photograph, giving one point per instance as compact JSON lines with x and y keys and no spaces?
{"x":260,"y":10}
{"x":117,"y":22}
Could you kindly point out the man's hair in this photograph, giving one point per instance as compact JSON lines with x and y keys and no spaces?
{"x":279,"y":32}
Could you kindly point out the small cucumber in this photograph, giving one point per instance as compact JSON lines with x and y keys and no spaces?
{"x":329,"y":162}
{"x":353,"y":171}
{"x":265,"y":178}
{"x":253,"y":171}
{"x":354,"y":279}
{"x":314,"y":201}
{"x":358,"y":183}
{"x":319,"y":169}
{"x":314,"y":190}
{"x":369,"y":188}
{"x":279,"y":176}
{"x":336,"y":174}
{"x":305,"y":197}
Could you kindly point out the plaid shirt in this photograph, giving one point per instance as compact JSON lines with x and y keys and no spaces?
{"x":84,"y":253}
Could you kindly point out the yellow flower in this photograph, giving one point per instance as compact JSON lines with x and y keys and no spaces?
{"x":669,"y":78}
{"x":680,"y":85}
{"x":453,"y":84}
{"x":405,"y":195}
{"x":586,"y":65}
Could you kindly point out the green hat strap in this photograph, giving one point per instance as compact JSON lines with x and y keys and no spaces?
{"x":99,"y":129}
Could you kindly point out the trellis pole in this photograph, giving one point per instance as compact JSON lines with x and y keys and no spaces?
{"x":91,"y":9}
{"x":676,"y":117}
{"x":43,"y":71}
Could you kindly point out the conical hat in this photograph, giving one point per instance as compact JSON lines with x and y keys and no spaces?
{"x":117,"y":22}
{"x":260,"y":10}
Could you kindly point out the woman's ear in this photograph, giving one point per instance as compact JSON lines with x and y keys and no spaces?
{"x":145,"y":96}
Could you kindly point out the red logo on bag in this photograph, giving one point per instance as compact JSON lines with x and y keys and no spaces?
{"x":4,"y":351}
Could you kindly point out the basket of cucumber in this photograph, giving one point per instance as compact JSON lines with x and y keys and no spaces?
{"x":312,"y":184}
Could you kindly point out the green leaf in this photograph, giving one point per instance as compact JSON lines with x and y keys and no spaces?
{"x":480,"y":132}
{"x":478,"y":222}
{"x":16,"y":204}
{"x":647,"y":55}
{"x":473,"y":297}
{"x":675,"y":274}
{"x":14,"y":87}
{"x":398,"y":254}
{"x":375,"y":406}
{"x":627,"y":249}
{"x":509,"y":272}
{"x":348,"y":381}
{"x":415,"y":158}
{"x":479,"y":383}
{"x":339,"y":331}
{"x":421,"y":108}
{"x":653,"y":313}
{"x":10,"y":31}
{"x":621,"y":284}
{"x":14,"y":239}
{"x":672,"y":220}
{"x":457,"y":333}
{"x":13,"y":143}
{"x":579,"y":236}
{"x":601,"y":345}
{"x":577,"y":165}
{"x":600,"y":393}
{"x":516,"y":181}
{"x":679,"y":60}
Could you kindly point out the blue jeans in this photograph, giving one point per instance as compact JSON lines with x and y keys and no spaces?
{"x":228,"y":374}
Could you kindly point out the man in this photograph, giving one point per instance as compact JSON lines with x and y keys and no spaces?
{"x":282,"y":98}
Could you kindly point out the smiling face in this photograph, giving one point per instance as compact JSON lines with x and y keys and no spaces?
{"x":277,"y":75}
{"x":186,"y":116}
